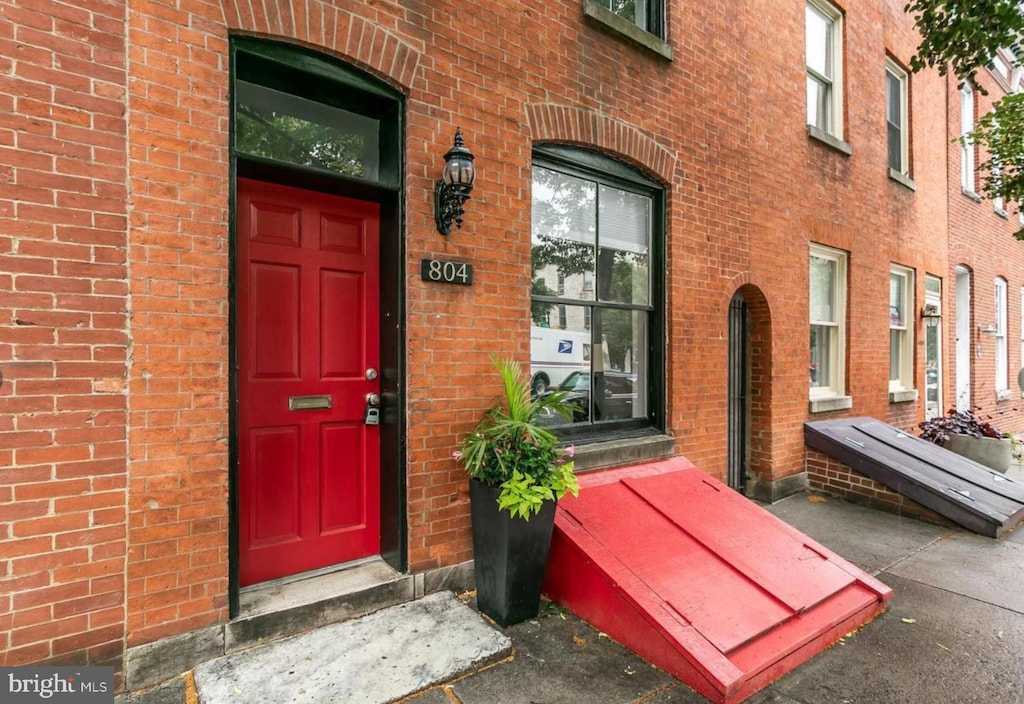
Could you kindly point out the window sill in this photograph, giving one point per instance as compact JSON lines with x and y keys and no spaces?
{"x":971,"y":194}
{"x":625,"y":28}
{"x":902,"y":179}
{"x":903,"y":396}
{"x":831,"y":403}
{"x":829,"y":140}
{"x":1003,"y":395}
{"x":611,"y":453}
{"x":1001,"y":212}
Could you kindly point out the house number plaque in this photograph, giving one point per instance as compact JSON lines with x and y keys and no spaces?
{"x":446,"y":272}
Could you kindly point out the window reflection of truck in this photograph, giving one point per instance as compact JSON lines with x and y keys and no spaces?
{"x":555,"y":354}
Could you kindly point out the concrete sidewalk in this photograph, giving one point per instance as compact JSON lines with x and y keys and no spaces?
{"x":954,"y":632}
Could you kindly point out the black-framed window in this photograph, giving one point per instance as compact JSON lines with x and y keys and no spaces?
{"x":297,"y":111}
{"x":597,"y":306}
{"x":648,"y":15}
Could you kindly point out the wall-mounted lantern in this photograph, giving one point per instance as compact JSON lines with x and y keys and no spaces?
{"x":452,"y":190}
{"x":931,"y":315}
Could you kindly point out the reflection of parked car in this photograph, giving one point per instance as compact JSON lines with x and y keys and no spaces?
{"x":613,"y":399}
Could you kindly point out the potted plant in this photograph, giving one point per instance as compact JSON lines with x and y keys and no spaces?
{"x":964,"y":433}
{"x":517,"y":473}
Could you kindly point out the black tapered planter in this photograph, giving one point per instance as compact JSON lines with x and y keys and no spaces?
{"x":510,"y":556}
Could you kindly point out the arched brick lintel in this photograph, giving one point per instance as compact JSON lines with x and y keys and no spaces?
{"x":320,"y":25}
{"x":550,"y":122}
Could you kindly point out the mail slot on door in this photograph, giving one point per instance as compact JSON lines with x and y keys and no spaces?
{"x":308,"y":403}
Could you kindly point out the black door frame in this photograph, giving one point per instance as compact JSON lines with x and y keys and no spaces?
{"x":376,"y":99}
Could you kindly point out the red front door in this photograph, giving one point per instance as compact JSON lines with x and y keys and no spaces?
{"x":309,"y":479}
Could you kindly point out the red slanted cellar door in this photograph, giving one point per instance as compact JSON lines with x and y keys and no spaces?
{"x":307,"y":315}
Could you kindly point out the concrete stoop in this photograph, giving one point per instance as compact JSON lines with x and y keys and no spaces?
{"x":375,"y":659}
{"x":279,"y":610}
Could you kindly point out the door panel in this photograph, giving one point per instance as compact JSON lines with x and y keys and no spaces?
{"x":309,"y":474}
{"x":276,"y":486}
{"x":275,"y":294}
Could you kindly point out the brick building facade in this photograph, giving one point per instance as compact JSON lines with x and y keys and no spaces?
{"x":131,"y":306}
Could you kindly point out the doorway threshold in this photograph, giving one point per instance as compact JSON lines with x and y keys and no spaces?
{"x":292,"y":605}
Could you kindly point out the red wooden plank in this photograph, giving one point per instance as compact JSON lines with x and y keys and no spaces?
{"x":740,"y":533}
{"x":705,"y":591}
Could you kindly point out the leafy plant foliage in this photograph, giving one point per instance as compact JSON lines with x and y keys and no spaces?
{"x":962,"y":37}
{"x":507,"y":449}
{"x":964,"y":422}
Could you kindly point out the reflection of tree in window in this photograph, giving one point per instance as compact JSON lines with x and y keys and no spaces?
{"x":539,"y":310}
{"x":272,"y":124}
{"x":566,"y":228}
{"x":592,"y":225}
{"x":296,"y":141}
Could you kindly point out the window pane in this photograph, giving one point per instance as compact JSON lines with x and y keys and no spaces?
{"x":564,"y":231}
{"x":895,"y":354}
{"x":560,"y":353}
{"x":275,"y":125}
{"x":897,"y":301}
{"x":893,"y":98}
{"x":823,"y":278}
{"x":894,"y":87}
{"x":623,"y":8}
{"x":819,"y":42}
{"x":818,"y":103}
{"x":895,"y":147}
{"x":821,"y":355}
{"x":623,"y":360}
{"x":624,"y":226}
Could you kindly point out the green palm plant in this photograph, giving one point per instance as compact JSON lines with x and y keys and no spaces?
{"x":507,"y":448}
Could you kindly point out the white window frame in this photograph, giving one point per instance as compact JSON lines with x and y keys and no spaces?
{"x":997,"y":176}
{"x":836,"y":387}
{"x":967,"y":149}
{"x":833,"y":119}
{"x":1001,"y":361}
{"x":904,"y":332}
{"x":903,"y":80}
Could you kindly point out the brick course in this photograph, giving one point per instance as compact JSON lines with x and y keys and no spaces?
{"x":63,"y":332}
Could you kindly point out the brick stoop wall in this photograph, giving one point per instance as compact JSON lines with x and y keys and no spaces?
{"x":833,"y":477}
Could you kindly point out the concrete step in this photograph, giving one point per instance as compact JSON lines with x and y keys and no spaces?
{"x":376,"y":659}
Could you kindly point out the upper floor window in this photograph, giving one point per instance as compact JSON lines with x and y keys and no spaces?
{"x":1002,"y":378}
{"x":824,"y":67}
{"x":896,"y":118}
{"x":967,"y":145}
{"x":596,"y":226}
{"x":828,"y":321}
{"x":901,"y":339}
{"x":648,"y":15}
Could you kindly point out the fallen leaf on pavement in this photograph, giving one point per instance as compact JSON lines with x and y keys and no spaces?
{"x":909,"y":620}
{"x":815,"y":499}
{"x":578,"y":640}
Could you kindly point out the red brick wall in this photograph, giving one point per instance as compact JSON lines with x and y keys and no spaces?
{"x":63,"y":345}
{"x":982,"y":240}
{"x":177,"y":575}
{"x":721,"y":126}
{"x":834,"y":477}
